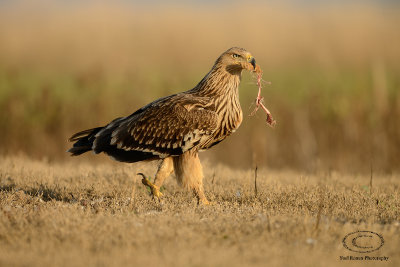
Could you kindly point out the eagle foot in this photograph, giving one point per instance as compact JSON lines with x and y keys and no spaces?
{"x":204,"y":202}
{"x":201,"y":198}
{"x":155,"y":190}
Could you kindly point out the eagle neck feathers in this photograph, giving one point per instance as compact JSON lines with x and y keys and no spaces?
{"x":219,"y":82}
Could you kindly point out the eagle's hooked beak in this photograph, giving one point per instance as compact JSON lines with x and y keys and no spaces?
{"x":252,"y":61}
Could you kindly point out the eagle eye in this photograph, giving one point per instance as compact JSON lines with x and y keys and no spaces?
{"x":235,"y":55}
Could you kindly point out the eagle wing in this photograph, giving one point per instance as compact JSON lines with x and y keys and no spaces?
{"x":166,"y":127}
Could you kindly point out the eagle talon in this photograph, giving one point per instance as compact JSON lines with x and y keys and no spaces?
{"x":204,"y":202}
{"x":155,"y":190}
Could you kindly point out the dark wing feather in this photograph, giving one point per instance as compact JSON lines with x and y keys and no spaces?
{"x":167,"y":127}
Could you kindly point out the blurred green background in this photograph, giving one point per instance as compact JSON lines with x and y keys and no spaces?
{"x":335,"y":73}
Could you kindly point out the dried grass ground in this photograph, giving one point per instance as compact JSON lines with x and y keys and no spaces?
{"x":78,"y":213}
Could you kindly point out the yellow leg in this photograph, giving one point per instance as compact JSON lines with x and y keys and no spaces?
{"x":155,"y":191}
{"x":164,"y":170}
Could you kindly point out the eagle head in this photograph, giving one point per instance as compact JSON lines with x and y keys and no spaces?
{"x":236,"y":59}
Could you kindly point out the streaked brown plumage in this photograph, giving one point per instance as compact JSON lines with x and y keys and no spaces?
{"x":174,"y":128}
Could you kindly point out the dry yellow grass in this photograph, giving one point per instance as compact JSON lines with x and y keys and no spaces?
{"x":78,"y":213}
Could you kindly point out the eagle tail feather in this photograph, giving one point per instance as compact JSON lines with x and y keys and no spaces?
{"x":83,"y":141}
